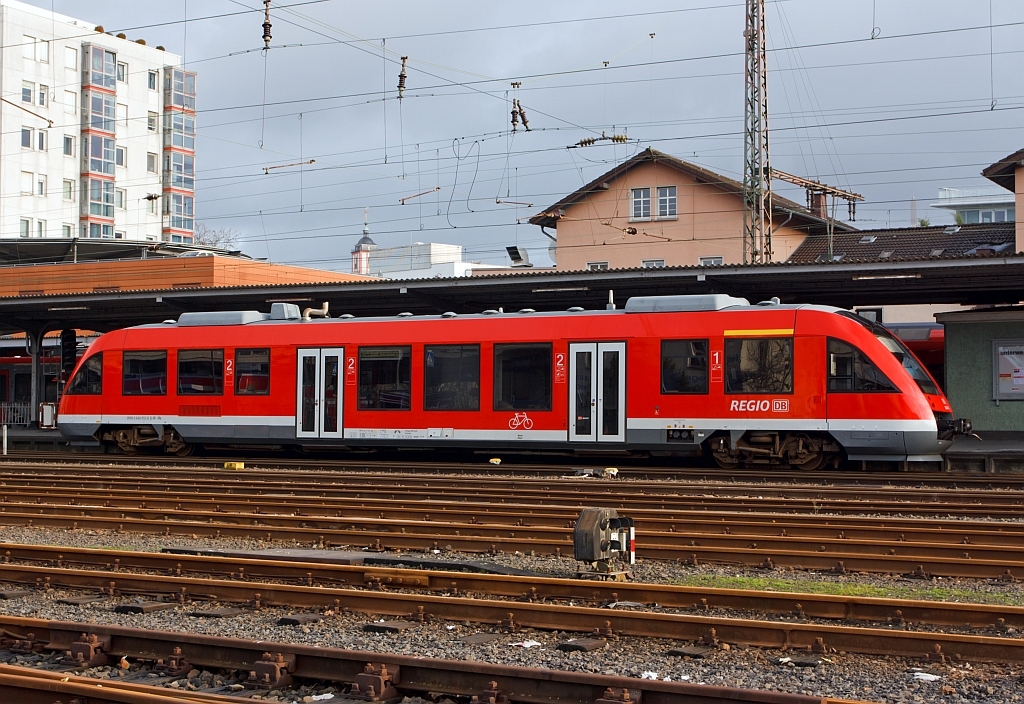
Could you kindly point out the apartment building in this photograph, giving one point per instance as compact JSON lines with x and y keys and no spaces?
{"x":98,"y":132}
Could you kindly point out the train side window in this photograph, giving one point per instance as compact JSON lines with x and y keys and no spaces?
{"x":89,"y":379}
{"x":200,"y":372}
{"x":522,"y":377}
{"x":252,"y":372}
{"x":762,"y":365}
{"x":451,"y":378}
{"x":684,"y":366}
{"x":385,"y":378}
{"x":849,"y":369}
{"x":144,"y":373}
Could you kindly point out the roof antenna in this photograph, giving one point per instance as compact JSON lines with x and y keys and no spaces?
{"x":611,"y":300}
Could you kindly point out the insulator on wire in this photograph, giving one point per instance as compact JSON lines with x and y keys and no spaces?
{"x":266,"y":24}
{"x":620,"y":138}
{"x":515,"y":115}
{"x":522,"y":115}
{"x":401,"y":78}
{"x":586,"y":142}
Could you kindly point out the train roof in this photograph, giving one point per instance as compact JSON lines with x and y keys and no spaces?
{"x":290,"y":313}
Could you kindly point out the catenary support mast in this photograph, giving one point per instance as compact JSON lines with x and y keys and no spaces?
{"x":757,"y":186}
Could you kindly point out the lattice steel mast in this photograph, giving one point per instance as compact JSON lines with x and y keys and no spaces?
{"x":757,"y":182}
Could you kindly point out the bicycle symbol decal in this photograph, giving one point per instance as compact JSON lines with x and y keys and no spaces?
{"x":520,"y":420}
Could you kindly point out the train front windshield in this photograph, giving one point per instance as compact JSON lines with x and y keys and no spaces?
{"x":900,"y":352}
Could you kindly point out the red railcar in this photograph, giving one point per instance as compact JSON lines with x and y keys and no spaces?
{"x":767,"y":384}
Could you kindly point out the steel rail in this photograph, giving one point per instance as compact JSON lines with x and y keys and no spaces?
{"x":1005,"y":505}
{"x":531,"y":588}
{"x":760,"y":633}
{"x":563,"y":486}
{"x":408,"y":674}
{"x":26,"y":685}
{"x":626,"y":468}
{"x":676,"y":521}
{"x":958,"y":562}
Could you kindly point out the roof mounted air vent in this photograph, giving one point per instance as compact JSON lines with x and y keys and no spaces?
{"x":406,"y":314}
{"x":490,"y":311}
{"x":527,"y":310}
{"x":449,"y":314}
{"x":346,"y":316}
{"x":227,"y":317}
{"x":575,"y":309}
{"x":681,"y":304}
{"x":773,"y":301}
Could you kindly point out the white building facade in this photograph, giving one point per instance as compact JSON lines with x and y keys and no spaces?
{"x":978,"y":204}
{"x":98,"y":132}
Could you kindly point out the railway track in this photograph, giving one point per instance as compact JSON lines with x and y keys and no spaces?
{"x":393,"y":675}
{"x":32,"y":686}
{"x":319,"y":570}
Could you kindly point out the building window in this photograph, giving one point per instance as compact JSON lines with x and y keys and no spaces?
{"x":385,"y":378}
{"x":180,"y":130}
{"x":40,"y":228}
{"x":200,"y":372}
{"x":41,"y":140}
{"x":100,"y":231}
{"x":712,"y":261}
{"x":102,"y":111}
{"x":118,"y":235}
{"x":26,"y":137}
{"x":40,"y":185}
{"x":145,"y":373}
{"x":181,"y":170}
{"x":101,"y":198}
{"x":652,"y":263}
{"x":103,"y":71}
{"x":68,"y":190}
{"x":70,"y":102}
{"x":684,"y":366}
{"x":120,"y":198}
{"x":120,"y":156}
{"x":180,"y":210}
{"x":43,"y":51}
{"x":971,"y":216}
{"x":69,"y":145}
{"x":154,"y":80}
{"x":451,"y":378}
{"x":641,"y":203}
{"x":101,"y":154}
{"x":122,"y":72}
{"x":122,"y":114}
{"x":180,"y":89}
{"x":666,"y":201}
{"x":151,"y":121}
{"x":597,"y":266}
{"x":151,"y":205}
{"x":28,"y":47}
{"x":28,"y":90}
{"x":25,"y":227}
{"x":65,"y":230}
{"x":522,"y":377}
{"x":26,"y":183}
{"x":70,"y":58}
{"x":151,"y":163}
{"x":759,"y":365}
{"x":43,"y":95}
{"x":849,"y":369}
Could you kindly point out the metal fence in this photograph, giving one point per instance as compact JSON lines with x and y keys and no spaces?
{"x":15,"y":413}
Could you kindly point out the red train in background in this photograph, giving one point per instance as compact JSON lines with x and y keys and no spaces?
{"x":754,"y":385}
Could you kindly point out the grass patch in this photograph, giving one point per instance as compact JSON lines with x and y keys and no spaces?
{"x":925,"y":591}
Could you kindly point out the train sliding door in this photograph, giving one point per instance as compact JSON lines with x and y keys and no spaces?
{"x":597,"y":392}
{"x":319,"y":393}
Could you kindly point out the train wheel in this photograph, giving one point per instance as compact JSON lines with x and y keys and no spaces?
{"x":724,"y":457}
{"x":185,"y":450}
{"x":804,"y":452}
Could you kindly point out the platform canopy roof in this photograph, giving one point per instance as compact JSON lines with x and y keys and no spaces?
{"x":986,"y":278}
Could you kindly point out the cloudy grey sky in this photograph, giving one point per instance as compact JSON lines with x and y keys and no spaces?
{"x":893,"y":118}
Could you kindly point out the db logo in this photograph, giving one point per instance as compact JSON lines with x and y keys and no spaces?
{"x":776,"y":405}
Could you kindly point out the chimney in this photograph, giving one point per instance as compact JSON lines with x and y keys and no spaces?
{"x":819,"y":205}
